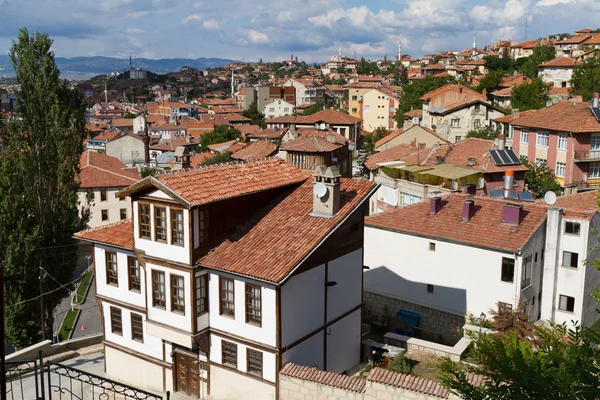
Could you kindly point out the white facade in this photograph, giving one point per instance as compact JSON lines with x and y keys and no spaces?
{"x":278,"y":108}
{"x":557,"y":76}
{"x":305,"y":94}
{"x":107,"y":211}
{"x":127,"y":148}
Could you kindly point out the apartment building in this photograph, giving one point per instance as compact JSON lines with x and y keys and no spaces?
{"x":306,"y":90}
{"x":356,"y":91}
{"x":377,"y":109}
{"x":278,"y":108}
{"x":558,"y":71}
{"x":226,"y":273}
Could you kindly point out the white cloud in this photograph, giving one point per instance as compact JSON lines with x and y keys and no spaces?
{"x":512,"y":13}
{"x":191,"y":17}
{"x":135,"y":31}
{"x":257,"y":37}
{"x":549,"y":3}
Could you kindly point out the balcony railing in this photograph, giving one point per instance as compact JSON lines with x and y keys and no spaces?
{"x":587,"y":155}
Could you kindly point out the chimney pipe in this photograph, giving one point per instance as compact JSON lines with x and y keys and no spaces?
{"x":435,"y":204}
{"x":468,"y":210}
{"x":501,"y":142}
{"x":509,"y":180}
{"x":596,"y":100}
{"x":511,"y":214}
{"x":469,"y":189}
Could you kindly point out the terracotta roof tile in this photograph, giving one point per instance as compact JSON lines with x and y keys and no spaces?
{"x":469,"y":93}
{"x":408,"y":382}
{"x":255,"y":151}
{"x":513,"y":80}
{"x":119,"y":234}
{"x":99,"y":170}
{"x":484,"y":229}
{"x":560,"y":62}
{"x":350,"y":383}
{"x":329,"y":116}
{"x":562,"y":116}
{"x":396,"y":153}
{"x":340,"y":139}
{"x":310,"y":144}
{"x":389,"y":137}
{"x":283,"y":233}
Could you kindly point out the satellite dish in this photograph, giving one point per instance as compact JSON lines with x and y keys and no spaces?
{"x":480,"y":183}
{"x":550,"y":198}
{"x":584,"y":177}
{"x":316,"y":125}
{"x":415,"y":120}
{"x":320,"y":189}
{"x":322,"y":126}
{"x":454,"y":185}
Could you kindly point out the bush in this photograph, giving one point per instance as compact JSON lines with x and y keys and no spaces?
{"x":399,"y":364}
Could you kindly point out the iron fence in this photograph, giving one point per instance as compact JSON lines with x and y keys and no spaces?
{"x":20,"y":376}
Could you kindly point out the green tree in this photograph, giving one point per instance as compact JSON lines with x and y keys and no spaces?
{"x":540,"y":179}
{"x":486,"y":132}
{"x":217,"y":159}
{"x":586,"y":78}
{"x":39,"y":209}
{"x":540,"y":55}
{"x":372,"y":138}
{"x":255,"y":115}
{"x":490,"y":82}
{"x":529,"y":96}
{"x":221,"y":133}
{"x":315,"y":108}
{"x":411,"y":98}
{"x":260,"y":61}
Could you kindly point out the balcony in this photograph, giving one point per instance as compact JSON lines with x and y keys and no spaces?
{"x":386,"y":181}
{"x":587,"y":155}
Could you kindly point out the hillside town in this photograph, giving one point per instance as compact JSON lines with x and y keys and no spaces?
{"x":353,"y":229}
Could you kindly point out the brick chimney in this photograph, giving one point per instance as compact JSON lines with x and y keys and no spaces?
{"x":471,"y":190}
{"x":326,"y":191}
{"x":435,"y":205}
{"x":511,"y":214}
{"x":515,"y":113}
{"x":468,"y":210}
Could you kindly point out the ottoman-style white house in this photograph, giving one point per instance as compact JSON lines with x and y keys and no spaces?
{"x":226,"y":273}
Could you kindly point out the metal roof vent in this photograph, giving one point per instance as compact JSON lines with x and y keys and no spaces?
{"x":471,"y":161}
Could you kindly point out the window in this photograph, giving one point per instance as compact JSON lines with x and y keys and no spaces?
{"x":526,"y":276}
{"x":104,"y":215}
{"x":367,"y":108}
{"x":123,"y":213}
{"x":177,"y":294}
{"x":134,"y":274}
{"x":429,"y":288}
{"x":572,"y":228}
{"x":354,"y":98}
{"x":227,"y":297}
{"x":561,"y":169}
{"x":455,"y":123}
{"x":540,"y":162}
{"x":144,"y":215}
{"x":508,"y":270}
{"x":204,"y":225}
{"x":160,"y":224}
{"x":431,"y":246}
{"x":595,"y":143}
{"x":112,"y":277}
{"x":177,"y":227}
{"x":254,"y":362}
{"x":570,"y":259}
{"x":137,"y":328}
{"x":116,"y":323}
{"x":229,"y":353}
{"x":542,"y":139}
{"x":286,"y":109}
{"x":562,"y":142}
{"x":511,"y":132}
{"x":253,"y":304}
{"x":272,"y":109}
{"x":502,"y":304}
{"x":477,"y":123}
{"x":594,"y":170}
{"x":566,"y":303}
{"x":201,"y":294}
{"x":524,"y":137}
{"x":158,"y":289}
{"x":457,"y":139}
{"x":103,"y":195}
{"x":353,"y":110}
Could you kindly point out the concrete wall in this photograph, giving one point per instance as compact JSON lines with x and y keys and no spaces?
{"x":48,"y":349}
{"x":227,"y":385}
{"x":280,"y":109}
{"x":123,"y":367}
{"x":377,"y":104}
{"x":112,"y":204}
{"x":128,"y":149}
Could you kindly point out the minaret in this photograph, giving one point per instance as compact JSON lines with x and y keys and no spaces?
{"x":399,"y":50}
{"x":340,"y":51}
{"x":474,"y":44}
{"x":105,"y":94}
{"x":232,"y":94}
{"x":130,"y":63}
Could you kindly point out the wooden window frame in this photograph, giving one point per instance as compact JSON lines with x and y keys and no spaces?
{"x":177,"y":302}
{"x":567,"y":303}
{"x":116,"y":321}
{"x":228,"y":352}
{"x":252,"y":365}
{"x":162,"y":228}
{"x":203,"y":226}
{"x":110,"y":272}
{"x":156,"y":301}
{"x":201,"y":300}
{"x":177,"y":235}
{"x":256,"y":318}
{"x":103,"y":195}
{"x":137,"y":327}
{"x":222,"y":309}
{"x":133,"y":273}
{"x":506,"y":259}
{"x":145,"y":228}
{"x":121,"y":210}
{"x":575,"y":228}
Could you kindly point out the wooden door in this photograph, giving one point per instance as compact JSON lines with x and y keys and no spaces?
{"x":188,"y":377}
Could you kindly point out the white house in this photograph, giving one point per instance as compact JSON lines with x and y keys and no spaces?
{"x":226,"y":273}
{"x":558,"y":71}
{"x":306,"y":90}
{"x":279,"y":108}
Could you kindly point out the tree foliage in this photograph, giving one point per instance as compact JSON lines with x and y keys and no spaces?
{"x":495,"y":63}
{"x":490,"y":82}
{"x":221,"y":134}
{"x":372,"y":138}
{"x":365,"y":67}
{"x":39,"y":209}
{"x":486,"y":132}
{"x":315,"y":108}
{"x":217,"y":159}
{"x":529,"y":96}
{"x":411,"y":99}
{"x":540,"y":55}
{"x":586,"y":78}
{"x":540,"y":179}
{"x":255,"y":115}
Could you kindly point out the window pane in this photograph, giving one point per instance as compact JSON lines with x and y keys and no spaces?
{"x":177,"y":294}
{"x":508,"y":269}
{"x":112,"y":277}
{"x":253,"y":304}
{"x":116,"y":323}
{"x":137,"y":329}
{"x":254,"y":362}
{"x":144,"y":221}
{"x":177,"y":227}
{"x":160,"y":224}
{"x":158,"y":289}
{"x":229,"y":353}
{"x":227,"y":297}
{"x":134,"y":274}
{"x":202,"y":294}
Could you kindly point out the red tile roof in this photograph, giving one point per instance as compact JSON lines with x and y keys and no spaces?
{"x":248,"y":129}
{"x":509,"y":118}
{"x":99,"y":170}
{"x":575,"y":39}
{"x":414,"y":113}
{"x":389,"y":137}
{"x":107,"y":135}
{"x":513,"y":80}
{"x":408,"y":382}
{"x":395,"y":153}
{"x":119,"y":234}
{"x":283,"y":233}
{"x":328,"y":116}
{"x":563,"y":116}
{"x":199,"y":158}
{"x":484,"y":229}
{"x":560,"y":62}
{"x":340,"y":139}
{"x":268,"y":133}
{"x":310,"y":144}
{"x":255,"y":151}
{"x":350,"y":383}
{"x":469,"y":93}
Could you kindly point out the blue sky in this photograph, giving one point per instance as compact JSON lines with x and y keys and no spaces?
{"x":273,"y":29}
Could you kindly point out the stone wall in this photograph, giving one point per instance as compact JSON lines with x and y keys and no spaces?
{"x":432,"y":320}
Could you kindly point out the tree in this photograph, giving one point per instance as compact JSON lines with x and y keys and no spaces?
{"x":39,"y":209}
{"x":217,"y":159}
{"x":540,"y":179}
{"x":372,"y":138}
{"x":486,"y":132}
{"x":255,"y":115}
{"x":411,"y":98}
{"x":540,"y":55}
{"x":529,"y":96}
{"x":490,"y":82}
{"x":315,"y":108}
{"x":221,"y":133}
{"x":586,"y":78}
{"x":260,"y":61}
{"x":508,"y":320}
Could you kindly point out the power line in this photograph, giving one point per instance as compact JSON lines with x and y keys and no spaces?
{"x":38,"y":297}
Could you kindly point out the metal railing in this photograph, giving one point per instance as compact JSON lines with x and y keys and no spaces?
{"x":19,"y":377}
{"x":587,"y":155}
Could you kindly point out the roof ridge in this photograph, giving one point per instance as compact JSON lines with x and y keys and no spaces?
{"x":96,"y":228}
{"x":111,"y":172}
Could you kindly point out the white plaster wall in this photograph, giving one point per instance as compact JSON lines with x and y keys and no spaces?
{"x":527,"y":294}
{"x":126,"y":148}
{"x":592,"y":276}
{"x":120,"y":293}
{"x":266,"y":333}
{"x":227,"y":385}
{"x":343,"y":343}
{"x":347,"y":294}
{"x":308,"y":352}
{"x":378,"y":107}
{"x":556,"y":76}
{"x":133,"y":371}
{"x":279,"y":107}
{"x":166,"y":316}
{"x":112,"y":204}
{"x":465,"y":279}
{"x":165,"y":251}
{"x":269,"y":359}
{"x":302,"y":304}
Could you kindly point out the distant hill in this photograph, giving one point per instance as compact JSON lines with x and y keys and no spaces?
{"x":86,"y":67}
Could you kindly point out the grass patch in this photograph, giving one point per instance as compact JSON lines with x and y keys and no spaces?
{"x":83,"y":286}
{"x":68,"y":325}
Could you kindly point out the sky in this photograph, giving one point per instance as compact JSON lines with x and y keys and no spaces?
{"x":273,"y":30}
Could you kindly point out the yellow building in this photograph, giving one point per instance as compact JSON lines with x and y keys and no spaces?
{"x":356,"y":92}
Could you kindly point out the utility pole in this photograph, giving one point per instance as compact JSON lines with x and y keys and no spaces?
{"x":2,"y":336}
{"x":42,"y":302}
